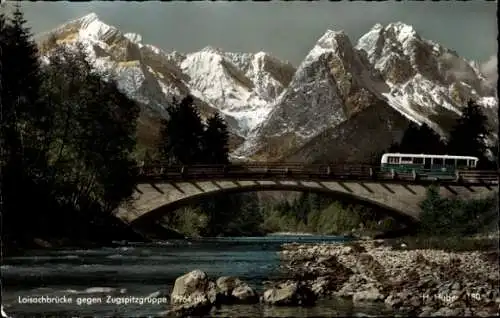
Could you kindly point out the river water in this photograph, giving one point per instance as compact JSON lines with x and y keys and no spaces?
{"x":89,"y":282}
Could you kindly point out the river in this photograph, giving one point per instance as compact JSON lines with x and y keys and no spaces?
{"x":89,"y":278}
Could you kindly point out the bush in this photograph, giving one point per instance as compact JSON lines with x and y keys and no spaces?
{"x":441,"y":216}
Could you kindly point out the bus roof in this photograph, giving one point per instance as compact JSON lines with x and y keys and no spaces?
{"x":428,"y":156}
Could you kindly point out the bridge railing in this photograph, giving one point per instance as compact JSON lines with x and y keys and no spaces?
{"x":479,"y":176}
{"x":274,"y":169}
{"x":308,"y":171}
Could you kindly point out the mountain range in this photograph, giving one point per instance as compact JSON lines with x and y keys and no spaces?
{"x":344,"y":102}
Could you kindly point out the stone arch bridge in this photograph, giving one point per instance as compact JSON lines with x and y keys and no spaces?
{"x":165,"y":188}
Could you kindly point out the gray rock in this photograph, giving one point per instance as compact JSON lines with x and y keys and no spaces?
{"x":371,"y":268}
{"x":193,"y":294}
{"x":231,"y":290}
{"x":188,"y":310}
{"x":320,"y":285}
{"x":371,"y":294}
{"x":446,"y":311}
{"x":426,"y":311}
{"x":226,"y":284}
{"x":392,"y":301}
{"x":456,"y":286}
{"x":244,"y":294}
{"x":289,"y":294}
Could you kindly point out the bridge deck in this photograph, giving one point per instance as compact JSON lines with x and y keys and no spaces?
{"x":294,"y":171}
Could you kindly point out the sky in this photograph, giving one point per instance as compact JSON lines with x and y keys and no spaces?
{"x":288,"y":30}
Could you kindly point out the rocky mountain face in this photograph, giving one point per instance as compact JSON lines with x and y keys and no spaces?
{"x":344,"y":102}
{"x":332,"y":84}
{"x":333,"y":106}
{"x":240,"y":86}
{"x":425,"y":79}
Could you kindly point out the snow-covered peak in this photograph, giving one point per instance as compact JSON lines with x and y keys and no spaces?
{"x":425,"y":78}
{"x":86,"y":19}
{"x":260,"y":55}
{"x":134,"y":37}
{"x":243,"y":86}
{"x":331,"y":84}
{"x":211,"y":49}
{"x":403,"y":32}
{"x":336,"y":42}
{"x":380,"y":40}
{"x":332,"y":40}
{"x":330,"y":35}
{"x":92,"y":27}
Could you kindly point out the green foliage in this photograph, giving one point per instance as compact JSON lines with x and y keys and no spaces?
{"x":442,"y":216}
{"x":468,"y":138}
{"x":216,"y":140}
{"x":452,"y":243}
{"x":420,"y":139}
{"x":181,"y":139}
{"x":188,"y":220}
{"x":469,"y":134}
{"x":186,"y":139}
{"x":322,"y":216}
{"x":67,"y":137}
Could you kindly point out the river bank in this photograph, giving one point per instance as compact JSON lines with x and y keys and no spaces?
{"x":383,"y":275}
{"x":420,"y":282}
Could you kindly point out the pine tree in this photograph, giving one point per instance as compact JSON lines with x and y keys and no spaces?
{"x":3,"y":123}
{"x":468,"y":137}
{"x":24,"y":125}
{"x":420,"y":139}
{"x":216,"y":138}
{"x":181,"y":140}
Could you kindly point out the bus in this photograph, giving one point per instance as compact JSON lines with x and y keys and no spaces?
{"x":426,"y":163}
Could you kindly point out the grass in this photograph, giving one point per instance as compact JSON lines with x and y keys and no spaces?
{"x":448,"y":243}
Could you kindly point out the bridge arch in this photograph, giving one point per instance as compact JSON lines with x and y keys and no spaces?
{"x":168,"y":206}
{"x":400,"y":200}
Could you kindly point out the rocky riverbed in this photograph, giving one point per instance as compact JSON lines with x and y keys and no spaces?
{"x":417,"y":282}
{"x":409,"y":282}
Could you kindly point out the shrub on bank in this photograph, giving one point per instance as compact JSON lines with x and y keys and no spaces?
{"x":443,"y":216}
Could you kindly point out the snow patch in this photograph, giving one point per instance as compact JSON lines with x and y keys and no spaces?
{"x":134,"y":37}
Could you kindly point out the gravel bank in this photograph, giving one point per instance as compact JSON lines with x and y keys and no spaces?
{"x":417,"y":282}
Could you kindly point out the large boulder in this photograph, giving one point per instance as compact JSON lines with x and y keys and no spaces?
{"x":231,"y":290}
{"x":193,"y":295}
{"x":289,"y":294}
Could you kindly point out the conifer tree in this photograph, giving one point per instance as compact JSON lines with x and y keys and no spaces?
{"x":215,"y":142}
{"x":24,"y":124}
{"x":420,"y":139}
{"x":468,"y":137}
{"x":3,"y":47}
{"x":182,"y":134}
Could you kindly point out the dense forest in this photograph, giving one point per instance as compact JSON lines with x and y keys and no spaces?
{"x":69,"y":158}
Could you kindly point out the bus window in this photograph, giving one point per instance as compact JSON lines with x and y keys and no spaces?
{"x":406,"y":160}
{"x":427,"y":163}
{"x":472,"y":163}
{"x":437,"y":161}
{"x":393,"y":160}
{"x":418,"y":161}
{"x":449,"y":162}
{"x":461,"y":163}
